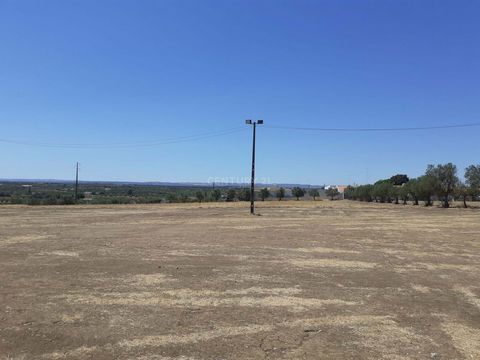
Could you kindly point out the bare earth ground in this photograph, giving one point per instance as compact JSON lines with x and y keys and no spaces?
{"x":323,"y":280}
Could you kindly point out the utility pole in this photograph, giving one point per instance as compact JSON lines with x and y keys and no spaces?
{"x":76,"y":184}
{"x":252,"y":184}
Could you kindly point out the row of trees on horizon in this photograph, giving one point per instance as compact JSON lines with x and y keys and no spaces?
{"x":63,"y":194}
{"x":439,"y":182}
{"x":243,"y":194}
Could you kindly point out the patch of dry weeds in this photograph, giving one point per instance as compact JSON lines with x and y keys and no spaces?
{"x":60,"y":253}
{"x":469,"y":295}
{"x":324,"y":250}
{"x":465,"y":339}
{"x":333,"y":263}
{"x":13,"y":240}
{"x":205,"y":298}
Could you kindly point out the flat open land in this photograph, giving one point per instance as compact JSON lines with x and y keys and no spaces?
{"x":306,"y":280}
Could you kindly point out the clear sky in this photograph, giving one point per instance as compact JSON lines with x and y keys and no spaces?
{"x":110,"y":71}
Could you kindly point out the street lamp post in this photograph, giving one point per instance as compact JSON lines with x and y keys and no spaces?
{"x":252,"y":184}
{"x":76,"y":184}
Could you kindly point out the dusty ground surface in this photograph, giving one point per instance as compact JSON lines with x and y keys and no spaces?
{"x":324,"y":280}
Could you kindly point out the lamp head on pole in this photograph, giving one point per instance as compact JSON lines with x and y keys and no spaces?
{"x":251,"y":122}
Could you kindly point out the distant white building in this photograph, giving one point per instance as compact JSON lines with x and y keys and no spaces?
{"x":340,"y":188}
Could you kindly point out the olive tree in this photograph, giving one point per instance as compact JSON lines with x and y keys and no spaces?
{"x":314,"y":193}
{"x":472,"y":179}
{"x":426,"y":188}
{"x":395,"y":193}
{"x":403,"y":193}
{"x":411,"y":188}
{"x":382,"y":191}
{"x":332,"y":193}
{"x":298,"y":192}
{"x":365,"y":192}
{"x":264,"y":193}
{"x":446,"y":180}
{"x":280,"y":194}
{"x":200,"y":195}
{"x":243,"y":194}
{"x":231,"y":194}
{"x":463,"y":191}
{"x":216,"y":195}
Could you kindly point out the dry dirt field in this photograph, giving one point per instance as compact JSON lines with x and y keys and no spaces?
{"x":306,"y":280}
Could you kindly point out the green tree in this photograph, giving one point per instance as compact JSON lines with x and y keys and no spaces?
{"x":350,"y":193}
{"x":67,"y":200}
{"x":184,"y":197}
{"x":172,"y":197}
{"x":314,"y":193}
{"x":446,"y":180}
{"x":412,"y":189}
{"x":332,"y":193}
{"x":472,"y":179}
{"x":243,"y":194}
{"x":264,"y":194}
{"x":231,"y":194}
{"x":216,"y":195}
{"x":399,"y":179}
{"x":463,"y":191}
{"x":382,"y":191}
{"x":364,"y":193}
{"x":395,"y":193}
{"x":280,"y":194}
{"x":298,"y":192}
{"x":426,"y":188}
{"x":403,"y":193}
{"x":200,"y":195}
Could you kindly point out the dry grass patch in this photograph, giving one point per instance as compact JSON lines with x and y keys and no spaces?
{"x":325,"y":250}
{"x":333,"y":263}
{"x":434,"y":267}
{"x":191,"y":298}
{"x":60,"y":253}
{"x":465,"y":339}
{"x":469,"y":295}
{"x":13,"y":240}
{"x":169,"y":339}
{"x":421,"y":289}
{"x":360,"y":324}
{"x":148,"y":279}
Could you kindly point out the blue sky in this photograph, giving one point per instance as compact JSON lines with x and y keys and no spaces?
{"x":112,"y":71}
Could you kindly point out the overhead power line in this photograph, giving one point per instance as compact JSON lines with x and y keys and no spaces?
{"x":158,"y":142}
{"x":219,"y":133}
{"x":420,"y":128}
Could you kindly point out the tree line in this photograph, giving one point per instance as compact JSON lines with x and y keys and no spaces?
{"x":439,"y":182}
{"x":38,"y":193}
